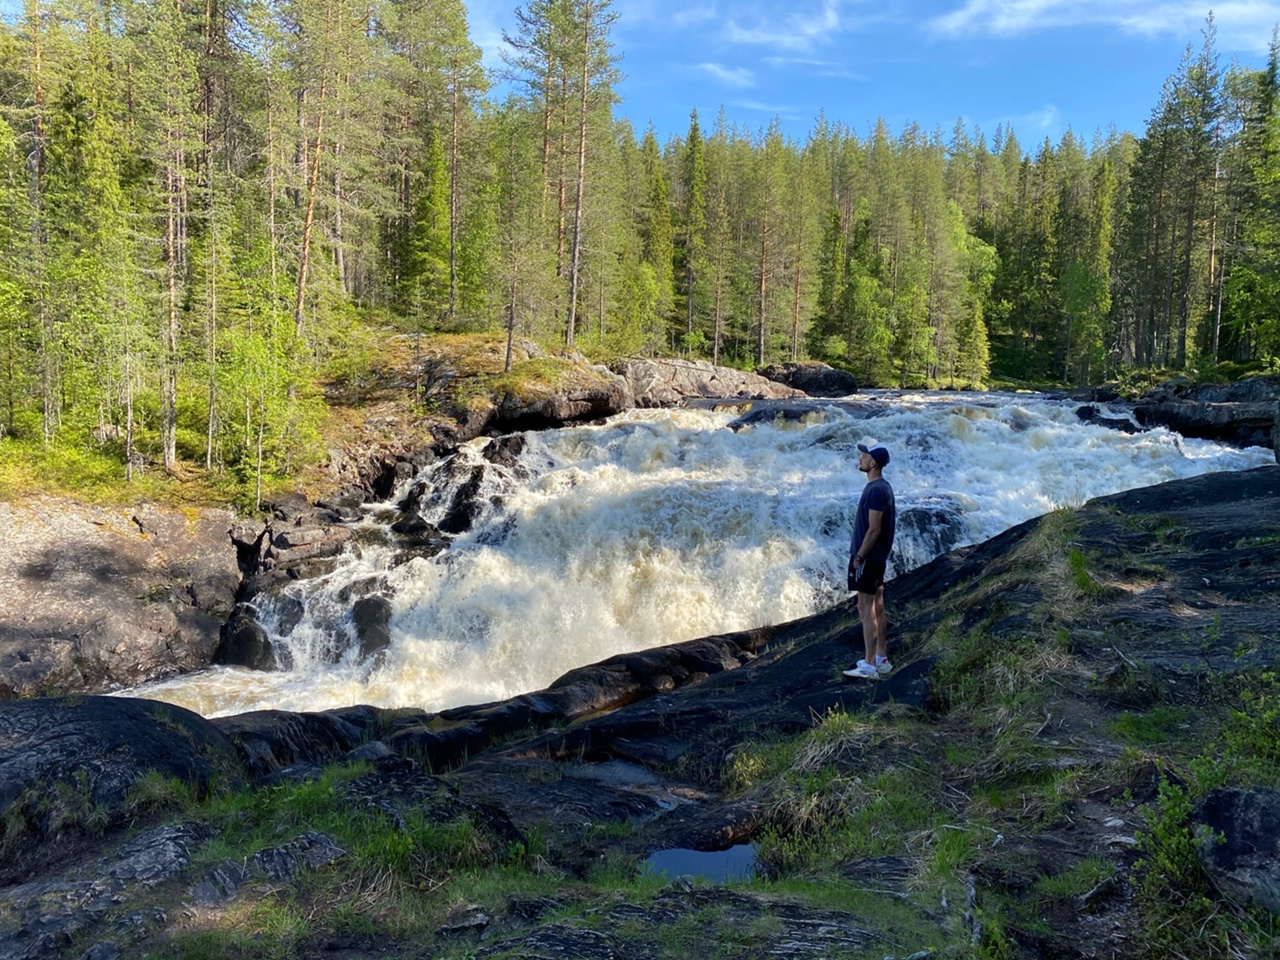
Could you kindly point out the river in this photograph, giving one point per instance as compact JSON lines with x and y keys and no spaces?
{"x":661,"y":526}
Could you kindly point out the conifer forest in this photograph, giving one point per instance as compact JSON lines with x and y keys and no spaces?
{"x":207,"y":206}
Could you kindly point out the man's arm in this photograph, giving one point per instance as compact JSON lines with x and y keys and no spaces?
{"x":874,"y":519}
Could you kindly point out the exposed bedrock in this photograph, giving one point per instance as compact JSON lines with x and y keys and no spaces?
{"x":1242,"y":413}
{"x":94,"y":598}
{"x":668,"y":383}
{"x":64,"y":760}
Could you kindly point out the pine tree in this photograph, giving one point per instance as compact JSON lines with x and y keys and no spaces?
{"x":693,"y":178}
{"x":656,"y":238}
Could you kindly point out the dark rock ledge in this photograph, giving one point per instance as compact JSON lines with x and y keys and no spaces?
{"x":1245,"y":413}
{"x":1187,"y":588}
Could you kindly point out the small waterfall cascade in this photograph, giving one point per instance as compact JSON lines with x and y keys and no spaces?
{"x":497,"y":570}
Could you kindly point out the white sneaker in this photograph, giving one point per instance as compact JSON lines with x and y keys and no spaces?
{"x":863,"y":670}
{"x":883,"y":665}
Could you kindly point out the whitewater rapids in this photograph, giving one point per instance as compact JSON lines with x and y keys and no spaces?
{"x":661,"y":526}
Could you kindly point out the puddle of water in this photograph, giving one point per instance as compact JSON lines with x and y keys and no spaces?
{"x":716,"y":866}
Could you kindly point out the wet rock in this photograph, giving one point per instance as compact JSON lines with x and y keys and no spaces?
{"x":505,"y":451}
{"x":1239,"y":833}
{"x":814,"y":378}
{"x":61,"y":758}
{"x":1090,"y":414}
{"x":271,"y":739}
{"x":467,"y":505}
{"x":666,"y":383}
{"x":1275,"y":433}
{"x":303,"y":854}
{"x":245,"y":644}
{"x":371,"y":616}
{"x":344,"y":509}
{"x":303,"y":543}
{"x":935,"y":526}
{"x":589,"y":393}
{"x":289,"y":612}
{"x":779,"y":414}
{"x":412,"y":527}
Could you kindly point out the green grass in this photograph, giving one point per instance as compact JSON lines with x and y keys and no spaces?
{"x":93,"y":474}
{"x":1160,"y":724}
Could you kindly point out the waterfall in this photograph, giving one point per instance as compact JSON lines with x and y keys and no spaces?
{"x":660,"y":526}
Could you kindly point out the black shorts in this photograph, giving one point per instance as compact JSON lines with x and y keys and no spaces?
{"x":872,"y":578}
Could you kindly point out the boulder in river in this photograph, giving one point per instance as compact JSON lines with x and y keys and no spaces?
{"x":814,"y":378}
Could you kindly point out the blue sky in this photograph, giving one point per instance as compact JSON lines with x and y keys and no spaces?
{"x":1040,"y":65}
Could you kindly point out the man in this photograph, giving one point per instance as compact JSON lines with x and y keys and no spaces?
{"x":873,"y":531}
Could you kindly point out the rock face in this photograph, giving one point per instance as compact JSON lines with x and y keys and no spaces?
{"x":815,"y":379}
{"x":63,"y":759}
{"x":1275,"y":433}
{"x":1242,"y":413}
{"x":93,"y":598}
{"x":667,"y":383}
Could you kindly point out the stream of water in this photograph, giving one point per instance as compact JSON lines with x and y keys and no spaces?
{"x":661,"y":526}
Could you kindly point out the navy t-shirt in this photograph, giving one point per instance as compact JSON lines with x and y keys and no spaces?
{"x":876,"y":495}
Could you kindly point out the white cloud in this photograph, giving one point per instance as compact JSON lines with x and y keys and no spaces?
{"x":662,"y":14}
{"x":1243,"y":25}
{"x":773,"y":109}
{"x":819,"y":68}
{"x":692,"y":16}
{"x":797,"y":30}
{"x":1046,"y":120}
{"x":730,"y":76}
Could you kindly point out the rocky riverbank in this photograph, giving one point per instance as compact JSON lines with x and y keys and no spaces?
{"x":99,"y":597}
{"x":1071,"y":700}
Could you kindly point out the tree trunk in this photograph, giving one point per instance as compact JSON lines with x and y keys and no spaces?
{"x":576,"y":254}
{"x":169,"y":390}
{"x":308,"y":221}
{"x":795,"y":312}
{"x":1184,"y":296}
{"x":453,"y":203}
{"x":764,"y":286}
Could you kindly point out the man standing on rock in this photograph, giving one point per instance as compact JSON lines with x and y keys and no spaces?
{"x":873,"y":530}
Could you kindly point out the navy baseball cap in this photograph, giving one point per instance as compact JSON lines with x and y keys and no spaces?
{"x":878,"y":453}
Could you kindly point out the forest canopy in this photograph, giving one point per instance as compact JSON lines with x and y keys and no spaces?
{"x":204,"y":207}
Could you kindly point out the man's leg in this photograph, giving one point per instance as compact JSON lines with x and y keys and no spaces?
{"x":881,"y":623}
{"x":866,"y":613}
